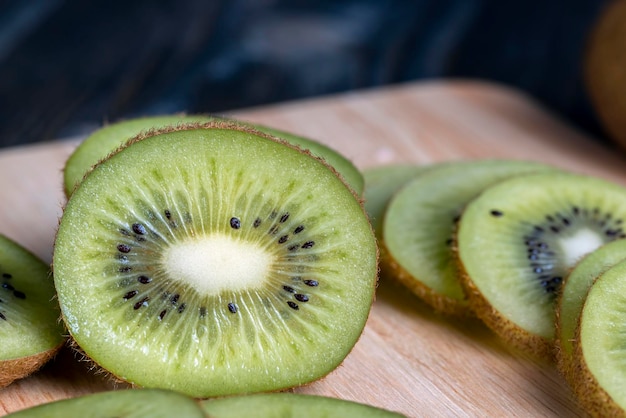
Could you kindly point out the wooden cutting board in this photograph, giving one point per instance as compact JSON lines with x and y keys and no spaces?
{"x":408,"y":359}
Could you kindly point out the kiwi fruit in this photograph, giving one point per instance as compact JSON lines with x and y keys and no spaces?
{"x":605,"y":70}
{"x":420,"y":221}
{"x":107,"y":139}
{"x":30,"y":330}
{"x":572,"y":295}
{"x":214,"y":260}
{"x":380,"y":185}
{"x":599,"y":347}
{"x":126,"y":403}
{"x":290,"y":405}
{"x":519,"y":239}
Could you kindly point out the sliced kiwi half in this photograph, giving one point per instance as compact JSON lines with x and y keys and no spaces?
{"x":519,"y":239}
{"x":287,"y":405}
{"x":215,"y":260}
{"x":380,"y":185}
{"x":108,"y":138}
{"x":420,"y":221}
{"x":572,"y":295}
{"x":30,"y":330}
{"x":126,"y":403}
{"x":600,"y":346}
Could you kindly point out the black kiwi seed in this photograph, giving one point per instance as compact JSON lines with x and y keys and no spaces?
{"x":123,"y":248}
{"x":142,"y":302}
{"x":144,"y":279}
{"x":162,"y":314}
{"x":496,"y":213}
{"x":301,"y":298}
{"x":311,"y":283}
{"x":289,"y":289}
{"x":293,"y":247}
{"x":7,"y":286}
{"x":168,"y":214}
{"x":293,"y":305}
{"x":235,"y":223}
{"x":174,"y":299}
{"x":298,"y":229}
{"x":181,"y":308}
{"x":6,"y":276}
{"x":257,"y":222}
{"x":139,"y":229}
{"x":124,"y":231}
{"x":283,"y":239}
{"x":308,"y":244}
{"x":130,"y":294}
{"x":203,"y":311}
{"x":2,"y":316}
{"x":284,"y":217}
{"x":19,"y":295}
{"x":232,"y":307}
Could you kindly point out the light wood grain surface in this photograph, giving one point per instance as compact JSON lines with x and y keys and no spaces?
{"x":408,"y":359}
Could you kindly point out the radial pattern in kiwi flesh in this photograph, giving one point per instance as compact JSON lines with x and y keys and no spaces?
{"x":600,"y":349}
{"x":128,"y":403}
{"x":107,"y":139}
{"x":420,"y":221}
{"x":215,"y":261}
{"x":518,"y":240}
{"x":29,"y":328}
{"x":285,"y":405}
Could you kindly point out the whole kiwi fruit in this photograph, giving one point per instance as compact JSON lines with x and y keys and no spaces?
{"x":214,"y":259}
{"x":605,"y":70}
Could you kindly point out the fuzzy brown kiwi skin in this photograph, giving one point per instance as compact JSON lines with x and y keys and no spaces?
{"x":588,"y":392}
{"x":518,"y":338}
{"x":11,"y":370}
{"x":390,"y":268}
{"x":216,"y":124}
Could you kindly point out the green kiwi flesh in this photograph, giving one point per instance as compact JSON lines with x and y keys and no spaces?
{"x":127,"y":403}
{"x":519,"y":239}
{"x":599,"y":350}
{"x":380,"y":185}
{"x":290,"y":405}
{"x":573,"y":292}
{"x":107,"y":139}
{"x":29,"y":316}
{"x":214,"y":260}
{"x":420,"y":221}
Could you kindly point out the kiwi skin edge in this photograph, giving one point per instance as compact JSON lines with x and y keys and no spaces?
{"x":441,"y":304}
{"x":522,"y":340}
{"x":222,"y":124}
{"x":590,"y":395}
{"x":11,"y":370}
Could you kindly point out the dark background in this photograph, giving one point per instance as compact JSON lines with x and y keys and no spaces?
{"x":66,"y":66}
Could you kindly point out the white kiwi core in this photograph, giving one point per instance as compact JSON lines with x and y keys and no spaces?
{"x":217,"y":262}
{"x":581,"y":243}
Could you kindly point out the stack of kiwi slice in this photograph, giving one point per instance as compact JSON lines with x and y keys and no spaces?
{"x":518,"y":245}
{"x":214,"y":259}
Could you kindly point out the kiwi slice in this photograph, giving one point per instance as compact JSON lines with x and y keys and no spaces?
{"x":572,"y":296}
{"x":419,"y":225}
{"x":380,"y":185}
{"x":127,"y":403}
{"x":107,"y":139}
{"x":518,"y":240}
{"x":600,"y":346}
{"x":30,"y":330}
{"x":214,"y":260}
{"x":286,"y":405}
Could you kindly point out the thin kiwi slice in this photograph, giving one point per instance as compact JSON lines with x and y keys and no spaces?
{"x":572,"y":296}
{"x":107,"y":139}
{"x":419,"y":224}
{"x":215,"y":260}
{"x":600,"y":346}
{"x":30,"y":330}
{"x":126,"y":403}
{"x":291,"y":405}
{"x":380,"y":185}
{"x":518,"y":240}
